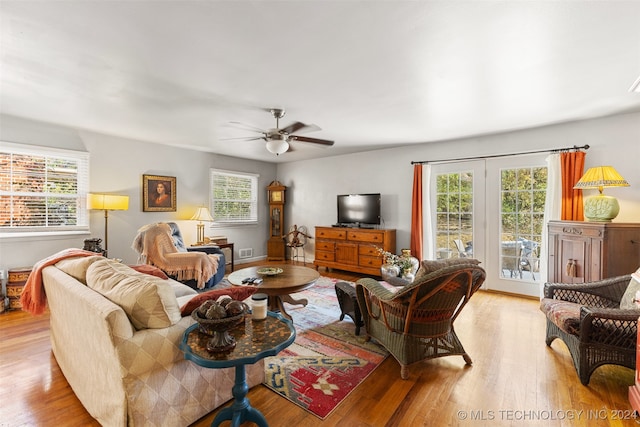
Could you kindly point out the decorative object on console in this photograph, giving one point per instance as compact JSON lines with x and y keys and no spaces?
{"x":601,"y":207}
{"x":158,"y":193}
{"x":107,"y":202}
{"x":202,"y":214}
{"x":398,"y":270}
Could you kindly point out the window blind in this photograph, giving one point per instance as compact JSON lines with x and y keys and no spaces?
{"x":42,"y":189}
{"x":234,"y":197}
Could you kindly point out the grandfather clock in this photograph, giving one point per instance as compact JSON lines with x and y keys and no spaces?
{"x":275,"y":244}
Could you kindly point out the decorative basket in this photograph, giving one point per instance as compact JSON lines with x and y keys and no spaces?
{"x":211,"y":326}
{"x":218,"y":330}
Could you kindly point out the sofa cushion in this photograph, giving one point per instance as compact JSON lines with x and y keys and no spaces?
{"x":77,"y":267}
{"x":148,"y":301}
{"x":239,"y":293}
{"x":631,"y":294}
{"x":565,"y":315}
{"x":429,"y":266}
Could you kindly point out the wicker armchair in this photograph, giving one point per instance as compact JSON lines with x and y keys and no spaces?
{"x":588,"y":318}
{"x":416,"y":322}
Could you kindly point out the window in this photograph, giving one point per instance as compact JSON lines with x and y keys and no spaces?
{"x":42,"y":189}
{"x":234,"y":197}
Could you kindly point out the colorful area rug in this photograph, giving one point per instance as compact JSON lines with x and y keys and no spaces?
{"x":327,"y":361}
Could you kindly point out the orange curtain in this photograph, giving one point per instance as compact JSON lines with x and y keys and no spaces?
{"x":416,"y":213}
{"x":572,"y":170}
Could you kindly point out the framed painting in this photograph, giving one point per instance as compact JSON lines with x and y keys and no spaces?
{"x":158,"y":193}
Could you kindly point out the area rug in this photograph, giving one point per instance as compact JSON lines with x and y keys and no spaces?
{"x":327,"y":361}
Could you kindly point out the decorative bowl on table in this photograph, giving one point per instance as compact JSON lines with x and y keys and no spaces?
{"x":218,"y":329}
{"x":269,"y":271}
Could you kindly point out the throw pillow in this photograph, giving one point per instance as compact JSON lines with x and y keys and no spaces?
{"x":77,"y":267}
{"x":239,"y":293}
{"x":429,"y":266}
{"x":148,"y":301}
{"x":180,"y":289}
{"x":627,"y":301}
{"x":149,"y":269}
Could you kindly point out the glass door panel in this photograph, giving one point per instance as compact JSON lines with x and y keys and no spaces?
{"x":516,"y":188}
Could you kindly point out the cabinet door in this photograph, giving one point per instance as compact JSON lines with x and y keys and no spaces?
{"x":347,"y":253}
{"x":573,"y":256}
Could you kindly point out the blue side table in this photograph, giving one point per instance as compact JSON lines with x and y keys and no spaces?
{"x":255,"y":340}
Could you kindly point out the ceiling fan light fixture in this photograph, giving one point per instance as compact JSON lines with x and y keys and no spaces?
{"x":277,"y":144}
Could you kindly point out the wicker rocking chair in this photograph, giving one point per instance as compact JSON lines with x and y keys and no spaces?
{"x":416,"y":323}
{"x":588,"y":318}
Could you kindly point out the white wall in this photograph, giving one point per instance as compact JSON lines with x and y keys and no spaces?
{"x":117,"y":165}
{"x":314,"y":184}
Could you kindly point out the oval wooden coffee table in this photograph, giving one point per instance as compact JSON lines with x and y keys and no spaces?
{"x":279,"y":287}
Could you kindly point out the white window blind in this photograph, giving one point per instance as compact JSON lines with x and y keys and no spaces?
{"x":42,"y":189}
{"x":234,"y":197}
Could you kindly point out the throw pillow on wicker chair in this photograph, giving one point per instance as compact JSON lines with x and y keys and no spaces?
{"x":628,"y":301}
{"x":429,"y":266}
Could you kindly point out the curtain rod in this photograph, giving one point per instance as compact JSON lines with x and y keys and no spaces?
{"x":555,"y":150}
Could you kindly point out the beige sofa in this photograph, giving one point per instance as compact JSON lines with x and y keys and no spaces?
{"x":123,"y":372}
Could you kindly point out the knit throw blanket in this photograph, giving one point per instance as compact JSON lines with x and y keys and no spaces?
{"x":33,"y":297}
{"x":155,"y":246}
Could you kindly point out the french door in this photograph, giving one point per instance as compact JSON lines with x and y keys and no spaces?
{"x":492,"y":210}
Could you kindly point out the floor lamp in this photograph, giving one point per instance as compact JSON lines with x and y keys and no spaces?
{"x":107,"y":202}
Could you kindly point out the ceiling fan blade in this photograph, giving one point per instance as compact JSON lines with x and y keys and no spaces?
{"x":246,"y":127}
{"x":243,"y":138}
{"x":312,"y":140}
{"x":299,"y":126}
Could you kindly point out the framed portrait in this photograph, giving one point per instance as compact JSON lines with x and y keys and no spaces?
{"x":158,"y":193}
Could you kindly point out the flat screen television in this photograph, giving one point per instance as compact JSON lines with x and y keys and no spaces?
{"x":358,"y":209}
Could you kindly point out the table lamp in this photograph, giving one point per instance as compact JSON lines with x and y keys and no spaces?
{"x":202,"y":214}
{"x":600,"y":207}
{"x":107,"y":202}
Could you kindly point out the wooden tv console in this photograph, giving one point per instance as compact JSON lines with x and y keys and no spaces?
{"x":353,"y":249}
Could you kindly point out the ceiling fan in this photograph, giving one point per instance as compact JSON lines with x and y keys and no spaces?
{"x":278,"y":139}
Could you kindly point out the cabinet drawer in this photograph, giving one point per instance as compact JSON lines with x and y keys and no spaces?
{"x":577,"y":231}
{"x":322,"y":245}
{"x":325,"y":256}
{"x":331,"y":233}
{"x":364,"y":236}
{"x":369,"y":261}
{"x":369,"y":250}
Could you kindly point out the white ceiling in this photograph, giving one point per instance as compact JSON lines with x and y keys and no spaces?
{"x":371,"y":74}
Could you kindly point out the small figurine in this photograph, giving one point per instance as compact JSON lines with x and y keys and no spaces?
{"x":296,"y":233}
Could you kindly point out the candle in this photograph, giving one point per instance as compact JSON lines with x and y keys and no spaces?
{"x":259,"y":306}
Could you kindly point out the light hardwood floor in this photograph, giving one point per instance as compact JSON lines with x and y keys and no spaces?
{"x":515,"y":380}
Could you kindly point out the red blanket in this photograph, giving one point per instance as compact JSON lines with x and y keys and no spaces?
{"x":33,"y":298}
